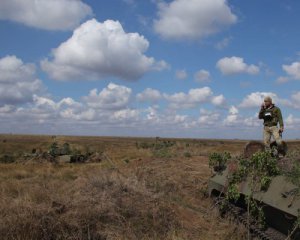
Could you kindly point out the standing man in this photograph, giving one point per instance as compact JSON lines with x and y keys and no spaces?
{"x":271,"y":116}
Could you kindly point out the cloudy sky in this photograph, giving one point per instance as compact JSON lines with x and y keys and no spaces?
{"x":172,"y":68}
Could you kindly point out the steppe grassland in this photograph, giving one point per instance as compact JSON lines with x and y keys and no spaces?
{"x":147,"y":188}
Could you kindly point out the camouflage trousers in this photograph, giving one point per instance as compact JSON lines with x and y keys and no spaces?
{"x":271,"y":132}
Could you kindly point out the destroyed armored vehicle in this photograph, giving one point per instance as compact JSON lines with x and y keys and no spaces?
{"x":278,"y":199}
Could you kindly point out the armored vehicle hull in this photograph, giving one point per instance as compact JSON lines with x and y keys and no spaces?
{"x":280,"y":202}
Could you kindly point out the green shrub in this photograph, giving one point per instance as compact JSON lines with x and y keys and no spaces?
{"x":217,"y":161}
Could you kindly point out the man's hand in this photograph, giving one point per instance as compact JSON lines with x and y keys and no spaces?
{"x":262,"y":105}
{"x":281,"y":129}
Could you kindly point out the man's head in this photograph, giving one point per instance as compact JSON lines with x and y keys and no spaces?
{"x":268,"y":101}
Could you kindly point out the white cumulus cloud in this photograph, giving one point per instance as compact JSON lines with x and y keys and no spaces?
{"x":45,"y":14}
{"x":296,"y":100}
{"x":6,"y":109}
{"x":252,"y":121}
{"x":112,"y":97}
{"x":18,"y":82}
{"x":208,"y":117}
{"x":232,"y":117}
{"x":192,"y":19}
{"x":125,"y":115}
{"x":97,"y":50}
{"x":236,"y":65}
{"x":233,"y":110}
{"x":46,"y":102}
{"x":255,"y":99}
{"x":194,"y":97}
{"x":149,"y":94}
{"x":202,"y":76}
{"x":108,"y":108}
{"x":75,"y":114}
{"x":292,"y":121}
{"x":293,"y":70}
{"x":219,"y":100}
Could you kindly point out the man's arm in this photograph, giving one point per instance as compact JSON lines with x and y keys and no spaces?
{"x":261,"y":113}
{"x":280,"y":120}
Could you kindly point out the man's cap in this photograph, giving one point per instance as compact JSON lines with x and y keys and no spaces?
{"x":267,"y":98}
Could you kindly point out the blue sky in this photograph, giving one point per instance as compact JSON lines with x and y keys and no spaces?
{"x":180,"y":68}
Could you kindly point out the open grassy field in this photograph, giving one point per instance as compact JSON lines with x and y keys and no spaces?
{"x":142,"y":188}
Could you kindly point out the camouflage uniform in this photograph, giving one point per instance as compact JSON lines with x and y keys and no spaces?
{"x":271,"y":116}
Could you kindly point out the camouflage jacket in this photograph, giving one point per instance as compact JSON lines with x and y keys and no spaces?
{"x":271,"y":116}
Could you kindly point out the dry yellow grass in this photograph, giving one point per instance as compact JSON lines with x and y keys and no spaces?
{"x":136,"y":193}
{"x":89,"y":202}
{"x":78,"y":202}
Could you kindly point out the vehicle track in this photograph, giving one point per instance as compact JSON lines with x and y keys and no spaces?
{"x":240,"y":215}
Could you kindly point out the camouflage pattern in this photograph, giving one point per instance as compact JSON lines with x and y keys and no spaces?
{"x":268,"y":133}
{"x":271,"y":116}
